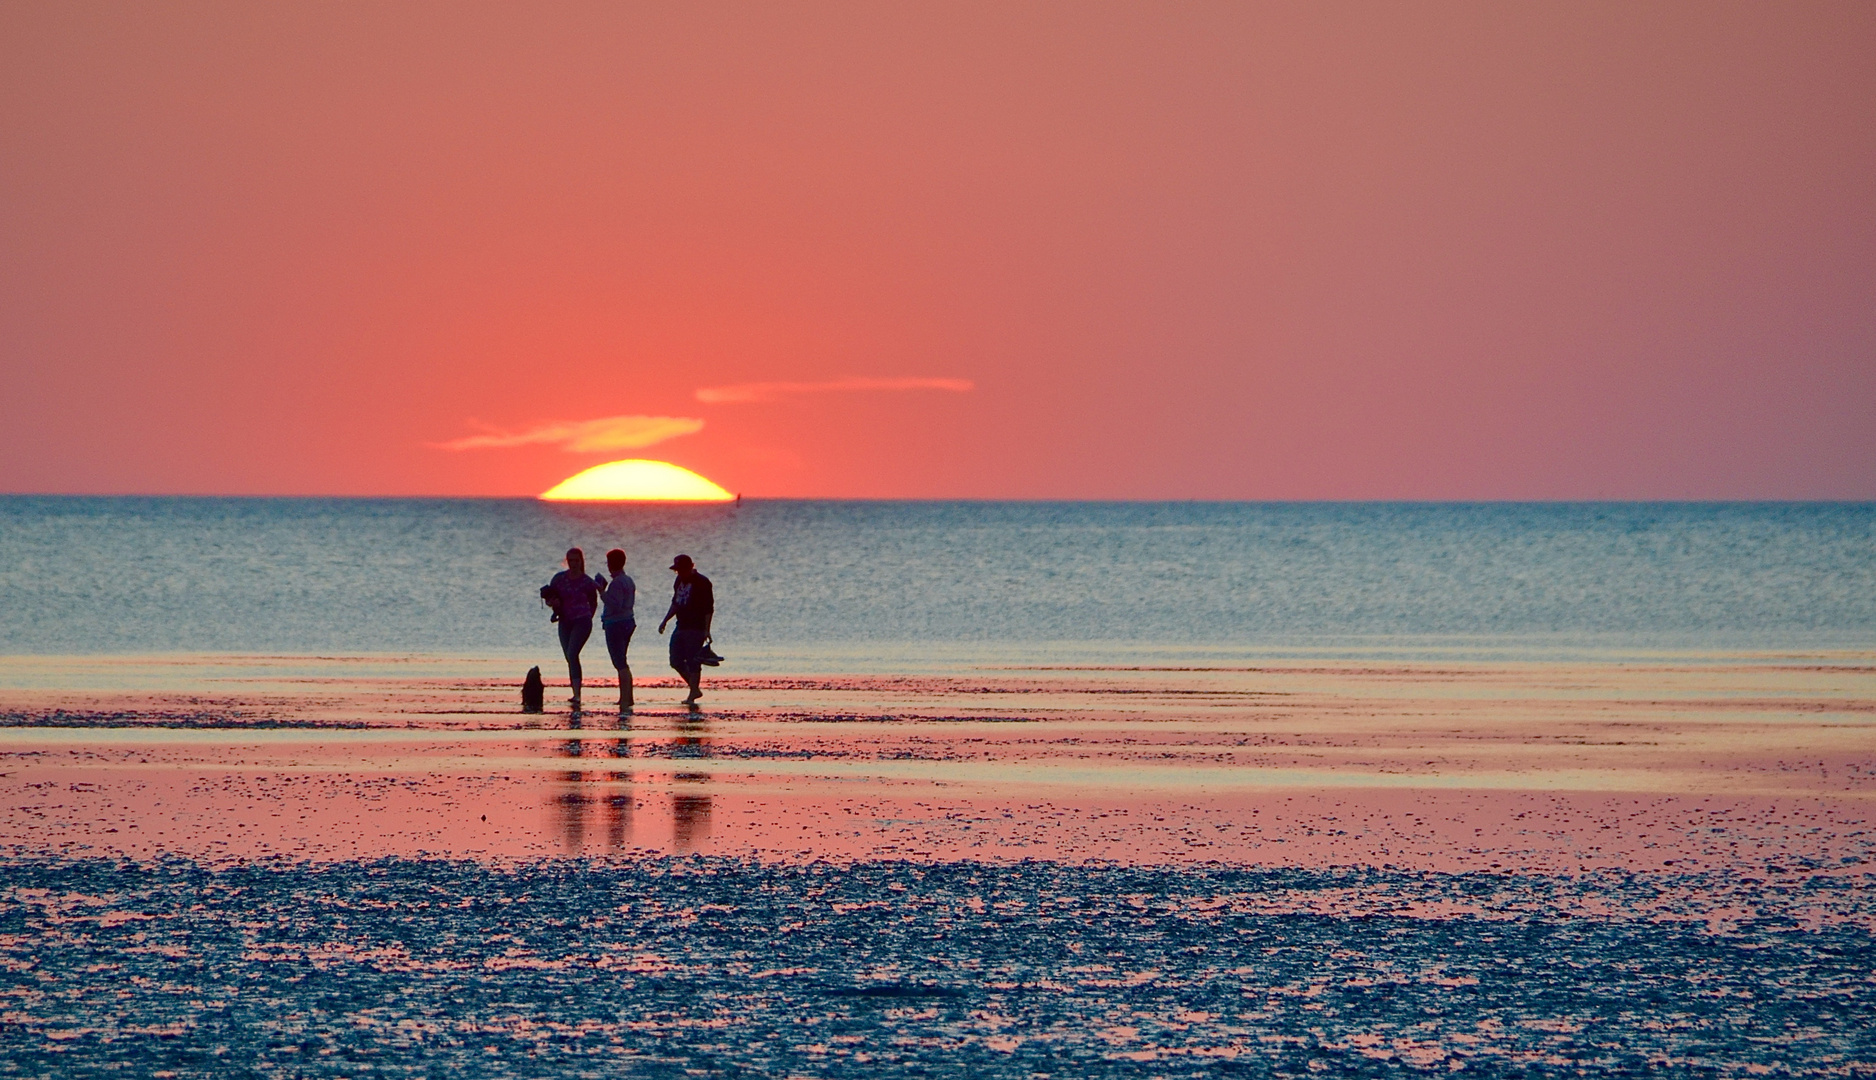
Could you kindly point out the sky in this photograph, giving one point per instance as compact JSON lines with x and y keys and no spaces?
{"x":1207,"y":250}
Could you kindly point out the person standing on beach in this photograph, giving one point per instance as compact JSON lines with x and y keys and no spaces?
{"x":617,"y":621}
{"x":693,"y":603}
{"x":574,"y":597}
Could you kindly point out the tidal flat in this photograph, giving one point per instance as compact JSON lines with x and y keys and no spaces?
{"x":346,"y":866}
{"x":714,"y":967}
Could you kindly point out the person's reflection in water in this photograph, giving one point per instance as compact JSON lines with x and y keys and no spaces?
{"x":573,"y":802}
{"x":619,"y":793}
{"x":690,"y":812}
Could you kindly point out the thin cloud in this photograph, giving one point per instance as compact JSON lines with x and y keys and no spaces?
{"x":585,"y":436}
{"x":743,"y":393}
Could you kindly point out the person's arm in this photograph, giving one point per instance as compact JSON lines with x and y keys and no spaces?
{"x":708,"y":601}
{"x":670,"y":613}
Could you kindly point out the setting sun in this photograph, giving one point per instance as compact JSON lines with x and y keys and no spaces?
{"x":637,"y":479}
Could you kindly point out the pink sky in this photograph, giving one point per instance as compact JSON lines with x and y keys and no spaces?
{"x":1208,"y":250}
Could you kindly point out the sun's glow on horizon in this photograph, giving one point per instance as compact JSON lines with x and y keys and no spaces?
{"x":636,"y":480}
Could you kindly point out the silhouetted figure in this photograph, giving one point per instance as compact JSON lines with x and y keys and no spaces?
{"x":617,"y":620}
{"x":693,"y":603}
{"x":533,"y":692}
{"x":574,"y":597}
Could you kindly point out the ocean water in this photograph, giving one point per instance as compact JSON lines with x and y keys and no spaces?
{"x":458,"y":577}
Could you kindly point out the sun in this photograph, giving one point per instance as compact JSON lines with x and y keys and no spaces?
{"x":636,"y":480}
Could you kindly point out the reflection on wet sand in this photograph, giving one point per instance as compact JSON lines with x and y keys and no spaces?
{"x":619,"y":789}
{"x":571,"y":799}
{"x":1745,"y":762}
{"x":573,"y":806}
{"x":690,"y":811}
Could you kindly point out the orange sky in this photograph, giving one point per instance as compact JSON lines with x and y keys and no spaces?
{"x":1211,"y":250}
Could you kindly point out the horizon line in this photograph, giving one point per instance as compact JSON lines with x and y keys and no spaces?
{"x":1424,"y":501}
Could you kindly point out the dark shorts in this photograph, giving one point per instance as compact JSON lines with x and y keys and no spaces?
{"x":618,"y":638}
{"x":687,"y":650}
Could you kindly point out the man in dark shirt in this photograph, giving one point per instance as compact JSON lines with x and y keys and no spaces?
{"x":692,"y":604}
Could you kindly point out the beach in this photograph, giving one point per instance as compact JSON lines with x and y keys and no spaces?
{"x":1710,"y":762}
{"x":1284,"y":867}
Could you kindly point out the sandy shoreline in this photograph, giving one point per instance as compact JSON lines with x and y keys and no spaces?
{"x":1706,"y":762}
{"x":1286,"y":868}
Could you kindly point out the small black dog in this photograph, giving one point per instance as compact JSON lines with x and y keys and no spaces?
{"x":533,"y":692}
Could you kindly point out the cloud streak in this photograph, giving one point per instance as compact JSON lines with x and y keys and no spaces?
{"x":744,"y":393}
{"x":585,"y":436}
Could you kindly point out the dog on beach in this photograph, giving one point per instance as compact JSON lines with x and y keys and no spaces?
{"x":533,"y":692}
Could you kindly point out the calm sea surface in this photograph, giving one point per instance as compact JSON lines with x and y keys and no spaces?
{"x":454,"y":576}
{"x":458,"y":577}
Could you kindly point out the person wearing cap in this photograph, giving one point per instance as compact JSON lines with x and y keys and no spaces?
{"x":692,"y":604}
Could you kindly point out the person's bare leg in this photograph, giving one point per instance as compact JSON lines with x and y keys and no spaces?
{"x":618,"y":641}
{"x":694,"y":677}
{"x":572,"y":639}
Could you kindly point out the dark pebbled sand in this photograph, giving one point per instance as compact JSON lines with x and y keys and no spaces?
{"x":712,"y":967}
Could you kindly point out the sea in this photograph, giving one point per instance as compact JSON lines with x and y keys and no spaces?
{"x":996,"y":789}
{"x":834,"y":581}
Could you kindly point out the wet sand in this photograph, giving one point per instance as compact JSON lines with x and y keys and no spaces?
{"x":706,"y":967}
{"x":298,"y":867}
{"x":1700,"y":762}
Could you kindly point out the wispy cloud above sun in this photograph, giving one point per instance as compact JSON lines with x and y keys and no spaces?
{"x":603,"y":435}
{"x":744,"y":393}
